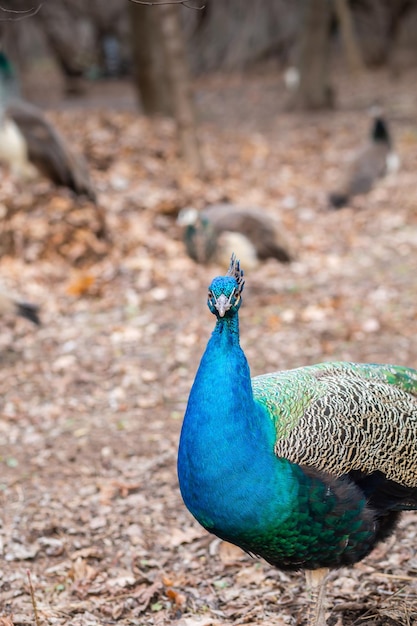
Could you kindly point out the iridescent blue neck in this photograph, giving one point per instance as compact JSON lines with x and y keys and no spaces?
{"x":228,"y":328}
{"x":222,"y":388}
{"x":227,"y":442}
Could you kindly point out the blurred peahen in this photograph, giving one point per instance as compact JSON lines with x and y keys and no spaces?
{"x":214,"y":232}
{"x":308,"y":468}
{"x":374,"y":160}
{"x":31,"y":145}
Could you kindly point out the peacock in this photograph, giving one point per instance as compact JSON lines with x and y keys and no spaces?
{"x":211,"y":234}
{"x":30,"y":144}
{"x":374,"y":160}
{"x":12,"y":306}
{"x":307,"y":468}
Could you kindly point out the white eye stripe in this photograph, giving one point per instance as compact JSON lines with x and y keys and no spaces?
{"x":213,"y":296}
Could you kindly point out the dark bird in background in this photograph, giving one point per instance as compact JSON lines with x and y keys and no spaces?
{"x":308,"y":468}
{"x":30,"y":144}
{"x":212,"y":234}
{"x":12,"y":306}
{"x":373,"y":161}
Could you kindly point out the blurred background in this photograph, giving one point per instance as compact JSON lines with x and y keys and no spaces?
{"x":73,"y":45}
{"x":139,"y":146}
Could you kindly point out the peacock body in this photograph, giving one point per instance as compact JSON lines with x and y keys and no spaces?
{"x":307,"y":468}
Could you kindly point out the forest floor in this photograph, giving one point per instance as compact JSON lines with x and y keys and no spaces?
{"x":92,"y":400}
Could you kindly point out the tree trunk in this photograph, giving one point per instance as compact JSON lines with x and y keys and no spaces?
{"x":182,"y":97}
{"x":314,"y":91}
{"x":59,"y":29}
{"x":347,"y":31}
{"x":149,"y":60}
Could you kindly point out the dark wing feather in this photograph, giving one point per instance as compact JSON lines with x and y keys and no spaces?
{"x":11,"y":306}
{"x":384,"y":494}
{"x":28,"y":311}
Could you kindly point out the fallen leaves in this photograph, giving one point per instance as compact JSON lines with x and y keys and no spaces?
{"x":37,"y":225}
{"x":81,"y":572}
{"x":92,"y":401}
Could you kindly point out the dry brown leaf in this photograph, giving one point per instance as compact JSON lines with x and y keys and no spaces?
{"x":80,"y":284}
{"x":82,"y":571}
{"x":179,"y":536}
{"x":196,"y":620}
{"x":145,"y":595}
{"x":253,"y":575}
{"x":179,"y":599}
{"x":116,"y":488}
{"x":91,"y":552}
{"x":230,"y":554}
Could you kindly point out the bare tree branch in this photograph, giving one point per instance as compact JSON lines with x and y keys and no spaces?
{"x":23,"y":14}
{"x":183,"y":2}
{"x":7,"y":10}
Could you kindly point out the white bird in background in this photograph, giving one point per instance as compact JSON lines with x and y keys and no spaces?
{"x":31,"y":146}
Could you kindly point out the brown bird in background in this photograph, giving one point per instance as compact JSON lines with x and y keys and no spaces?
{"x":211,"y":235}
{"x":374,"y":160}
{"x":30,"y":144}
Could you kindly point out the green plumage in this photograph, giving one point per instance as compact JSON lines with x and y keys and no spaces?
{"x":365,"y":412}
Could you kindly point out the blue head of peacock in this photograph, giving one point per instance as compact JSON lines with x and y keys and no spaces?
{"x":225,"y":292}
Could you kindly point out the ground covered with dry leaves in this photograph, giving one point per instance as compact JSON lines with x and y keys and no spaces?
{"x":92,"y":401}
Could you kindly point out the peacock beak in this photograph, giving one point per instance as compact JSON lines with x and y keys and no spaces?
{"x":222,"y":304}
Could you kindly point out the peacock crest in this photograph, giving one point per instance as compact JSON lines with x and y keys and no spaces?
{"x":235,"y":271}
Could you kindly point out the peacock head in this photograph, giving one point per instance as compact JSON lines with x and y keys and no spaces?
{"x":225,"y":292}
